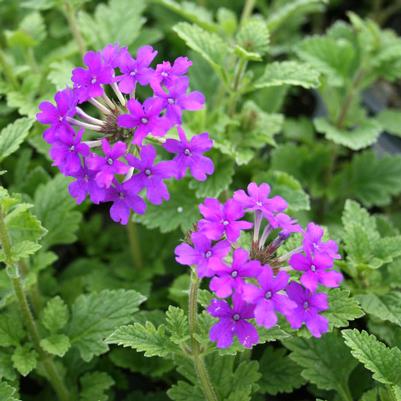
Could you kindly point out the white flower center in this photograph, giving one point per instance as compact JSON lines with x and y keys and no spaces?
{"x":236,"y":317}
{"x":148,"y":172}
{"x":234,"y":274}
{"x":268,"y":295}
{"x":109,"y":161}
{"x":144,"y":120}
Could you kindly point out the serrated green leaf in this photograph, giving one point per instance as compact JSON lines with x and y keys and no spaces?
{"x":95,"y":316}
{"x":106,"y":25}
{"x":343,"y":308}
{"x":12,"y":136}
{"x":60,"y":73}
{"x":7,"y":392}
{"x":280,"y":374}
{"x":11,"y":329}
{"x":288,"y":73}
{"x":254,"y":37}
{"x":57,"y":344}
{"x":180,"y":211}
{"x":144,"y":338}
{"x":362,"y":136}
{"x":24,"y":249}
{"x":326,"y":361}
{"x":383,"y":361}
{"x":369,"y":179}
{"x":53,"y":205}
{"x":24,"y":359}
{"x":94,"y":386}
{"x":209,"y":45}
{"x":177,"y":325}
{"x":55,"y":315}
{"x":390,"y":120}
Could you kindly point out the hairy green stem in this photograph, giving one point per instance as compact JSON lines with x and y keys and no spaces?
{"x":34,"y":294}
{"x":247,"y":10}
{"x":345,"y":393}
{"x":134,"y":244}
{"x":69,"y":12}
{"x":199,"y":363}
{"x":51,"y":370}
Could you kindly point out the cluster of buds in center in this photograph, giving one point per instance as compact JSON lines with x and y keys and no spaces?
{"x":256,"y":285}
{"x":112,"y":156}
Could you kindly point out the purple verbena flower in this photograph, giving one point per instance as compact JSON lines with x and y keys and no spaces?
{"x":233,"y":321}
{"x":144,"y":118}
{"x":176,"y":99}
{"x":151,"y":175}
{"x":222,"y":219}
{"x":88,"y":82}
{"x":230,"y":278}
{"x":190,"y":154}
{"x":201,"y":253}
{"x":112,"y":53}
{"x":269,"y":298}
{"x":109,"y":165}
{"x":314,"y":268}
{"x":124,"y":200}
{"x":167,"y":74}
{"x":309,"y":306}
{"x":285,"y":224}
{"x":136,"y":70}
{"x":313,"y":242}
{"x":67,"y":151}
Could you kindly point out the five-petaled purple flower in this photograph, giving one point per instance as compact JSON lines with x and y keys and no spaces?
{"x":167,"y":74}
{"x":233,"y":321}
{"x":313,"y":242}
{"x":222,"y":220}
{"x":190,"y":154}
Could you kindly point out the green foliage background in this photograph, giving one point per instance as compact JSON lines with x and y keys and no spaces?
{"x":302,"y":94}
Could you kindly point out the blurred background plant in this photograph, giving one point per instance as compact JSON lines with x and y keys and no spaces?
{"x":303,"y":94}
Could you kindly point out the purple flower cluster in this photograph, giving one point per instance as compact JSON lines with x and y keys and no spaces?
{"x":112,"y":157}
{"x":255,"y":285}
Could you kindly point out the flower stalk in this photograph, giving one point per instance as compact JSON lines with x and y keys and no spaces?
{"x":199,"y":363}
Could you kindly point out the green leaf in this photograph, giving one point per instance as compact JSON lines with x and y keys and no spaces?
{"x":219,"y":181}
{"x":24,"y":359}
{"x":286,"y":186}
{"x":60,"y":73}
{"x":280,"y":374}
{"x":254,"y":37}
{"x":288,"y":73}
{"x":31,"y":31}
{"x":24,"y":249}
{"x":369,"y":179}
{"x":144,"y":338}
{"x":57,"y":344}
{"x":94,"y":386}
{"x":390,"y":120}
{"x":11,"y":329}
{"x":383,"y":361}
{"x":8,"y":393}
{"x":180,"y":211}
{"x":95,"y":316}
{"x":384,"y":307}
{"x":362,"y":136}
{"x":53,"y":205}
{"x":326,"y":361}
{"x":107,"y":26}
{"x":12,"y":136}
{"x":55,"y":315}
{"x":209,"y":45}
{"x":177,"y":325}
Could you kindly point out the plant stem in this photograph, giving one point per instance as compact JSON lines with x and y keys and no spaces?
{"x":29,"y":321}
{"x":247,"y":10}
{"x":199,"y":363}
{"x":134,"y":244}
{"x":74,"y":27}
{"x":345,"y":393}
{"x":34,"y":293}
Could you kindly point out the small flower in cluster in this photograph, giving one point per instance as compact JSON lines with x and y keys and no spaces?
{"x":257,"y":287}
{"x":107,"y":139}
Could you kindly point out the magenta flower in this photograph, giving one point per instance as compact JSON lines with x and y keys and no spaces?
{"x":177,"y":99}
{"x":313,"y":242}
{"x":124,"y":200}
{"x":144,"y":118}
{"x":109,"y":165}
{"x":285,"y":224}
{"x":66,"y":152}
{"x":135,"y":70}
{"x":190,"y":154}
{"x":229,"y":279}
{"x":307,"y":311}
{"x":112,"y":54}
{"x":222,"y":219}
{"x":85,"y":184}
{"x":167,"y":74}
{"x":314,"y":268}
{"x":151,"y":175}
{"x":269,"y":298}
{"x":257,"y":199}
{"x":56,"y":115}
{"x":88,"y":82}
{"x":201,"y":253}
{"x":233,"y":321}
